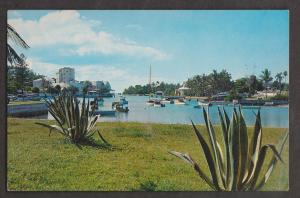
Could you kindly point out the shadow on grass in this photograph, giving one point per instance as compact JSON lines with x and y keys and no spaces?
{"x":92,"y":143}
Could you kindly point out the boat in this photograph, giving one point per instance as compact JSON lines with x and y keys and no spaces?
{"x":94,"y":104}
{"x":179,"y":102}
{"x":100,"y":101}
{"x":104,"y":113}
{"x":123,"y":100}
{"x":269,"y":103}
{"x":167,"y":101}
{"x":164,"y":101}
{"x":158,"y":103}
{"x":121,"y":106}
{"x":203,"y":103}
{"x":150,"y":102}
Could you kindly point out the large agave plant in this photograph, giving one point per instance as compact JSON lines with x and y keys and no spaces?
{"x":238,"y":164}
{"x":76,"y":125}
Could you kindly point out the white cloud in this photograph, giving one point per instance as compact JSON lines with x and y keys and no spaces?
{"x":118,"y":78}
{"x":47,"y":69}
{"x":68,"y":27}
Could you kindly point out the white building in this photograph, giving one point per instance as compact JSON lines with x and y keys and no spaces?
{"x":38,"y":83}
{"x":181,"y":90}
{"x":78,"y":84}
{"x":66,"y":74}
{"x":42,"y":82}
{"x":101,"y":85}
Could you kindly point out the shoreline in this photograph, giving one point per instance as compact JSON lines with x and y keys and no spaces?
{"x":141,"y":123}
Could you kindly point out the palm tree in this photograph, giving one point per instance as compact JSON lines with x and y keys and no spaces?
{"x":278,"y":78}
{"x":285,"y":73}
{"x":12,"y":56}
{"x":252,"y":83}
{"x":266,"y":78}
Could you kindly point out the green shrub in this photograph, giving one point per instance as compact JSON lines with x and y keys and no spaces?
{"x":280,"y":97}
{"x":74,"y":124}
{"x":233,"y":95}
{"x":238,"y":165}
{"x":147,"y":186}
{"x":35,"y":90}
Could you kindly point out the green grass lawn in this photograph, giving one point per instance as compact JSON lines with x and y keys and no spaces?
{"x":138,"y":160}
{"x":24,"y":102}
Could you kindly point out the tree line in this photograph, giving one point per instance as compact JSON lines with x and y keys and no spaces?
{"x":167,"y":88}
{"x":216,"y":82}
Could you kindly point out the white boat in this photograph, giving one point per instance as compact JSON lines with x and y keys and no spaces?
{"x":179,"y":102}
{"x":150,"y":102}
{"x":158,"y":103}
{"x":202,"y":103}
{"x":267,"y":103}
{"x":165,"y":101}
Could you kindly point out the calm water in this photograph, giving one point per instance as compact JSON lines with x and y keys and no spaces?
{"x":183,"y":114}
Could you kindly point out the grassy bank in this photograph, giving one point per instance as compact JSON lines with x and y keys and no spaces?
{"x":139,"y":159}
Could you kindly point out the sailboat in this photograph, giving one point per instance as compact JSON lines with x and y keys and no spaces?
{"x":150,"y":102}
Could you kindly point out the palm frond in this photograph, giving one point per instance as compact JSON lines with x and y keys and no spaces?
{"x":15,"y":37}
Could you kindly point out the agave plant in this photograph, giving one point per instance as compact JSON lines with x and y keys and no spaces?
{"x":238,"y":164}
{"x":76,"y":125}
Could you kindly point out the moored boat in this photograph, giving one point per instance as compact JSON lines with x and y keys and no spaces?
{"x":179,"y":102}
{"x":158,"y":103}
{"x":203,"y":103}
{"x":165,"y":101}
{"x":121,"y":106}
{"x":100,"y":101}
{"x":150,"y":102}
{"x":104,"y":113}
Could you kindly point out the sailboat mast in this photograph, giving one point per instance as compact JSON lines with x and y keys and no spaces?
{"x":150,"y":82}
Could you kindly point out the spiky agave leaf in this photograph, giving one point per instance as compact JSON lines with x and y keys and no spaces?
{"x":243,"y":139}
{"x":271,"y":165}
{"x":216,"y":155}
{"x":242,"y":166}
{"x":208,"y":156}
{"x":74,"y":124}
{"x":201,"y":173}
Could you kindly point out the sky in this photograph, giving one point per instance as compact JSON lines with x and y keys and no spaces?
{"x":119,"y":46}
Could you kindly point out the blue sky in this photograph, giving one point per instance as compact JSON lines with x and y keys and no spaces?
{"x":119,"y":46}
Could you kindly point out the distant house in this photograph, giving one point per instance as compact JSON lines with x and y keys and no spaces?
{"x":101,"y":86}
{"x":42,"y":83}
{"x":181,"y":90}
{"x":78,"y":84}
{"x":38,"y":83}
